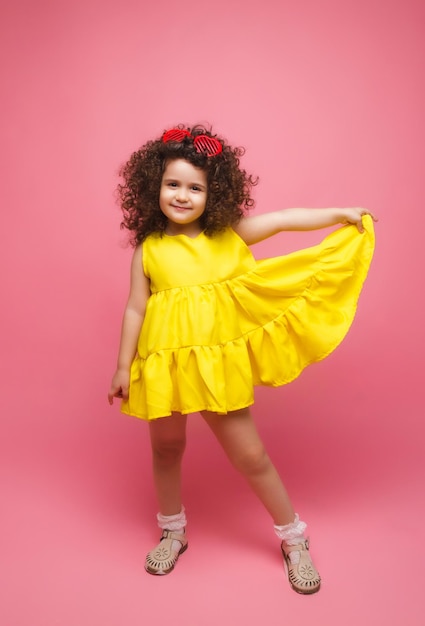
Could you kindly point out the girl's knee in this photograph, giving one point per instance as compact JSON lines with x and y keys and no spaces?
{"x":252,"y":461}
{"x":168,"y":451}
{"x":168,"y":439}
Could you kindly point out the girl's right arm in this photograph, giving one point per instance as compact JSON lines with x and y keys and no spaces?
{"x":132,"y":322}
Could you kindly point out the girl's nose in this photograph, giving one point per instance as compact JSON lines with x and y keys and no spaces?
{"x":181,"y":194}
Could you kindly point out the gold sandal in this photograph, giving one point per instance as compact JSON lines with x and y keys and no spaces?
{"x":303,"y":576}
{"x":162,"y":559}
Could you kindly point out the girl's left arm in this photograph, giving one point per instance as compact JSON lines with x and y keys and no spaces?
{"x":258,"y":227}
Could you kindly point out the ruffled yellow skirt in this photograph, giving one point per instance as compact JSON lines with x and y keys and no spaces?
{"x":204,"y":346}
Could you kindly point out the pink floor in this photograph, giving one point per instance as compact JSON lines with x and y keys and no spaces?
{"x":75,"y":529}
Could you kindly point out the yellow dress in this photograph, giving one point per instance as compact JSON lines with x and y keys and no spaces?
{"x":219,"y":322}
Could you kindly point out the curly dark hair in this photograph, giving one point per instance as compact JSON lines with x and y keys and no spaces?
{"x":228,"y":194}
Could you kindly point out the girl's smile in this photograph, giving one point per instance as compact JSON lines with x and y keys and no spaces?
{"x":183,"y":197}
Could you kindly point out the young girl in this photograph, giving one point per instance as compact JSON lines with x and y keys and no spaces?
{"x":205,"y":321}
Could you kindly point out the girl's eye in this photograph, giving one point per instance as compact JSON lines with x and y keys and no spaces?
{"x":172,"y":184}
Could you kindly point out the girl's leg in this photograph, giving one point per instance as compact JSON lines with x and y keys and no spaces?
{"x":168,"y":440}
{"x":238,"y":436}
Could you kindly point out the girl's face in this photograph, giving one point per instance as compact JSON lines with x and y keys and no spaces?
{"x":183,"y":197}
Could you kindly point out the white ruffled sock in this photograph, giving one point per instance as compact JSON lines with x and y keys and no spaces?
{"x":175,"y":523}
{"x":291,"y":534}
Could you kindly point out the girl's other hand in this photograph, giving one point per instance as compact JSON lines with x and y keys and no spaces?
{"x":354,"y":216}
{"x":119,"y":386}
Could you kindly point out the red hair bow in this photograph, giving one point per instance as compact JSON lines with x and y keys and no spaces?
{"x":209,"y":146}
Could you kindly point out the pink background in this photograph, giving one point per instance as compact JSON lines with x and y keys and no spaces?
{"x":328,"y":98}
